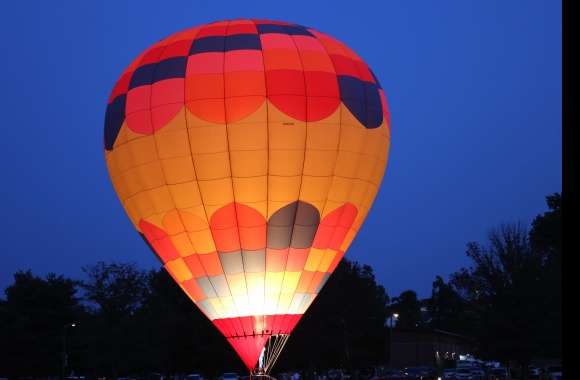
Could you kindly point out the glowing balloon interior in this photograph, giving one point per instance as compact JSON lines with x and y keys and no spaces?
{"x":247,"y":153}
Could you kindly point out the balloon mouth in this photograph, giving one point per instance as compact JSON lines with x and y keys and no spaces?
{"x":259,"y":348}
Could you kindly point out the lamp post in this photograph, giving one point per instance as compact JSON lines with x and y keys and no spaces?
{"x":393,"y":318}
{"x":64,"y":348}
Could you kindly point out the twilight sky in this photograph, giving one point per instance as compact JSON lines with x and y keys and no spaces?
{"x":475,"y":94}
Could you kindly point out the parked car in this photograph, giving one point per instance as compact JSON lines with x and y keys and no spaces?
{"x":463,"y":374}
{"x":499,"y":373}
{"x":554,"y":372}
{"x":420,"y":373}
{"x":449,"y":374}
{"x":193,"y":376}
{"x":229,"y":376}
{"x":477,"y":374}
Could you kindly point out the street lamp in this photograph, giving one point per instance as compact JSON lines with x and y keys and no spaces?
{"x":393,"y":318}
{"x":64,"y":350}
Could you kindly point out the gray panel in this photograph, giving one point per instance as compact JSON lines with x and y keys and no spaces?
{"x":254,"y":261}
{"x":285,"y":216}
{"x":232,"y":262}
{"x":220,"y":285}
{"x":279,"y":236}
{"x":307,"y":215}
{"x":302,"y":236}
{"x":206,"y":286}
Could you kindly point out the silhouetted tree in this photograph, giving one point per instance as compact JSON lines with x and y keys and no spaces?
{"x":31,"y":323}
{"x":408,"y":306}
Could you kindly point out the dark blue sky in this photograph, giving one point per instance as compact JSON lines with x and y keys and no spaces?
{"x":474,"y":89}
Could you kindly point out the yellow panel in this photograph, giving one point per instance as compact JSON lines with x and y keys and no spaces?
{"x":253,"y":189}
{"x":220,"y":311}
{"x":270,"y":303}
{"x":323,"y":136}
{"x":185,"y":194}
{"x":315,"y":188}
{"x":255,"y":283}
{"x":259,"y":116}
{"x":182,"y":244}
{"x":212,"y":165}
{"x":244,"y":136}
{"x":283,"y":189}
{"x":290,"y":282}
{"x":193,"y":218}
{"x":161,"y":199}
{"x":352,"y":138}
{"x":346,"y":164}
{"x":274,"y":282}
{"x":319,"y":162}
{"x":131,"y":182}
{"x":172,"y":144}
{"x":284,"y":137}
{"x":178,"y":170}
{"x":142,"y":150}
{"x":208,"y":139}
{"x":249,"y":163}
{"x":237,"y":284}
{"x":172,"y":223}
{"x":179,"y":270}
{"x":326,"y":260}
{"x":242,"y":305}
{"x":314,"y":257}
{"x":366,"y":168}
{"x":142,"y":205}
{"x":202,"y":241}
{"x":284,"y":303}
{"x":339,"y":190}
{"x":286,"y":162}
{"x":358,"y":192}
{"x":216,"y":192}
{"x":150,"y":175}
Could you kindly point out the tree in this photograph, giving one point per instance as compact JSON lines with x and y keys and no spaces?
{"x":408,"y":307}
{"x":447,"y":310}
{"x":117,"y":291}
{"x":31,"y":323}
{"x":504,"y":287}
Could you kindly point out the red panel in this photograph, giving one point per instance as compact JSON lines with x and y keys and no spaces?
{"x":285,"y":82}
{"x":162,"y":115}
{"x":177,"y":49}
{"x":252,"y":238}
{"x":320,"y":108}
{"x":292,"y":105}
{"x":194,"y":265}
{"x":276,"y":259}
{"x":344,"y":66}
{"x":211,"y":264}
{"x":165,"y":249}
{"x":194,"y":290}
{"x":296,"y":259}
{"x":249,"y":348}
{"x":167,"y":91}
{"x":226,"y":240}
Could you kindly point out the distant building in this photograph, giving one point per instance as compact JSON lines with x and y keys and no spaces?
{"x":430,"y":347}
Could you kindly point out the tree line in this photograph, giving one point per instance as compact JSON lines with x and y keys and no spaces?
{"x":134,"y":322}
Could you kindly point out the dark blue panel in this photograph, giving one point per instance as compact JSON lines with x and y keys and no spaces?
{"x":271,"y":28}
{"x":297,"y":30}
{"x":362,"y":99}
{"x":170,"y":68}
{"x":114,"y":118}
{"x":372,"y":96}
{"x":374,"y":117}
{"x":243,"y":41}
{"x":208,"y":44}
{"x":142,"y":76}
{"x":352,"y":88}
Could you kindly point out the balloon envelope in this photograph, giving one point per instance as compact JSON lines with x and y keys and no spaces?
{"x":247,"y":153}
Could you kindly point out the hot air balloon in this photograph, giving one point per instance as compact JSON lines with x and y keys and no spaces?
{"x":247,"y":154}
